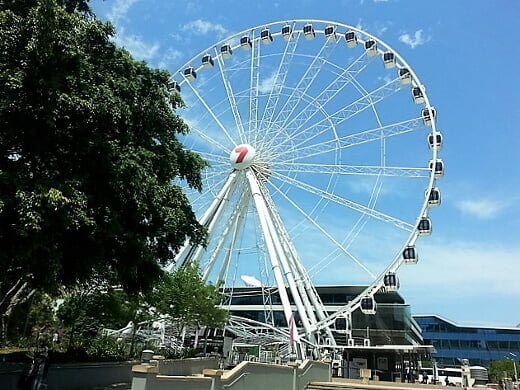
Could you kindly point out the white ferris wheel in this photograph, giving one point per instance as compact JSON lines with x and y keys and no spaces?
{"x":323,"y":153}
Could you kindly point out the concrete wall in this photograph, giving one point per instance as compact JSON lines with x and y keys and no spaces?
{"x":71,"y":376}
{"x":246,"y":376}
{"x":85,"y":376}
{"x":10,"y":375}
{"x":184,"y":367}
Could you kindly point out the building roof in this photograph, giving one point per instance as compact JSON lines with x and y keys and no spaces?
{"x":472,"y":326}
{"x":347,"y":291}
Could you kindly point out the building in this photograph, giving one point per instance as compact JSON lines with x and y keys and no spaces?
{"x":479,"y":344}
{"x":388,"y":342}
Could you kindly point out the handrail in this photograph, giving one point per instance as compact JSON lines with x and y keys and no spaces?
{"x":244,"y":374}
{"x":306,"y":370}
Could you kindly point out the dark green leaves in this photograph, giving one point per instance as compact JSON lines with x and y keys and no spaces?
{"x":88,"y":153}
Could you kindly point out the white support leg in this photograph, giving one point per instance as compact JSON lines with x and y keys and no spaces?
{"x":215,"y":218}
{"x":302,"y":276}
{"x":233,"y":220}
{"x":238,"y":226}
{"x":186,"y":248}
{"x":262,"y":212}
{"x":289,"y":277}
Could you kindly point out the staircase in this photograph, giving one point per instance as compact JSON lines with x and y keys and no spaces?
{"x":351,"y":384}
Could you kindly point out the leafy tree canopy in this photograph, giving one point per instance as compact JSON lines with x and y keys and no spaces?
{"x":504,"y":368}
{"x":183,"y":295}
{"x":88,"y":153}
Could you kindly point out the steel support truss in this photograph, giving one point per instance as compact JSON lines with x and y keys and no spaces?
{"x":289,"y":274}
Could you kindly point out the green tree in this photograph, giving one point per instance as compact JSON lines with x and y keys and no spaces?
{"x":85,"y":311}
{"x":500,"y":369}
{"x":88,"y":156}
{"x":184,"y":296}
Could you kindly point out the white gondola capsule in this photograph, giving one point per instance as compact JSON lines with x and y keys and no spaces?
{"x":434,"y":197}
{"x":190,"y":73}
{"x":330,"y":33}
{"x":435,"y":141}
{"x":266,"y":36}
{"x":410,"y":255}
{"x":174,"y":86}
{"x":425,"y":226}
{"x":287,"y":32}
{"x":418,"y":95}
{"x":368,"y":305}
{"x":351,"y":38}
{"x":245,"y":42}
{"x":226,"y":51}
{"x":371,"y":48}
{"x":391,"y":282}
{"x":389,"y":60}
{"x":405,"y":76}
{"x":308,"y":32}
{"x":428,"y":114}
{"x":207,"y":61}
{"x":438,"y":168}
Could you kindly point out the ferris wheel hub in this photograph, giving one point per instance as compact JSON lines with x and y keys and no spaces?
{"x":242,"y":156}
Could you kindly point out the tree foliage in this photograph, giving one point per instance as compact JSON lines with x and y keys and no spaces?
{"x":88,"y":155}
{"x":183,"y":295}
{"x":500,"y":369}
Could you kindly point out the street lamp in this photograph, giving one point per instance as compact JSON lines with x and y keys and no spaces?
{"x":514,"y":365}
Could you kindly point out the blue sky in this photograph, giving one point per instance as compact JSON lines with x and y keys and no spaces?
{"x":465,"y":53}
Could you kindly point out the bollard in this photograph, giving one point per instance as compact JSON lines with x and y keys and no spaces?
{"x":146,"y":356}
{"x":294,"y":366}
{"x":214,"y":375}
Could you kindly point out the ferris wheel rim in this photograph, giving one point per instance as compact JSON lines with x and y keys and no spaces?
{"x":397,"y":261}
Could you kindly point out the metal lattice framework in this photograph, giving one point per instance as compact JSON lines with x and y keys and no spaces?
{"x":324,"y":158}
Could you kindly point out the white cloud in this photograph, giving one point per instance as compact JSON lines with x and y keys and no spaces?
{"x":464,"y":269}
{"x":137,"y":46}
{"x":417,"y":40}
{"x":170,"y":58}
{"x":120,"y":9}
{"x":192,"y":7}
{"x":483,"y":208}
{"x":267,"y":84}
{"x":203,"y":27}
{"x":377,"y":28}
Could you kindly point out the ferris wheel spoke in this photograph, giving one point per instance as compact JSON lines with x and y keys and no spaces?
{"x":208,"y":139}
{"x":253,"y":89}
{"x":302,"y":85}
{"x":298,"y":106}
{"x":345,"y":113}
{"x":279,"y":79}
{"x":273,"y":135}
{"x":351,"y":140}
{"x":205,"y":198}
{"x":212,"y":157}
{"x":344,"y":202}
{"x":321,"y":229}
{"x":345,"y":78}
{"x":210,"y":111}
{"x":306,"y":81}
{"x":215,"y":177}
{"x":229,"y":227}
{"x":231,"y":97}
{"x":345,"y":169}
{"x":237,"y":228}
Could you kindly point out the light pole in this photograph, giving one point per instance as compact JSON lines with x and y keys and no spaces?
{"x":514,"y":365}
